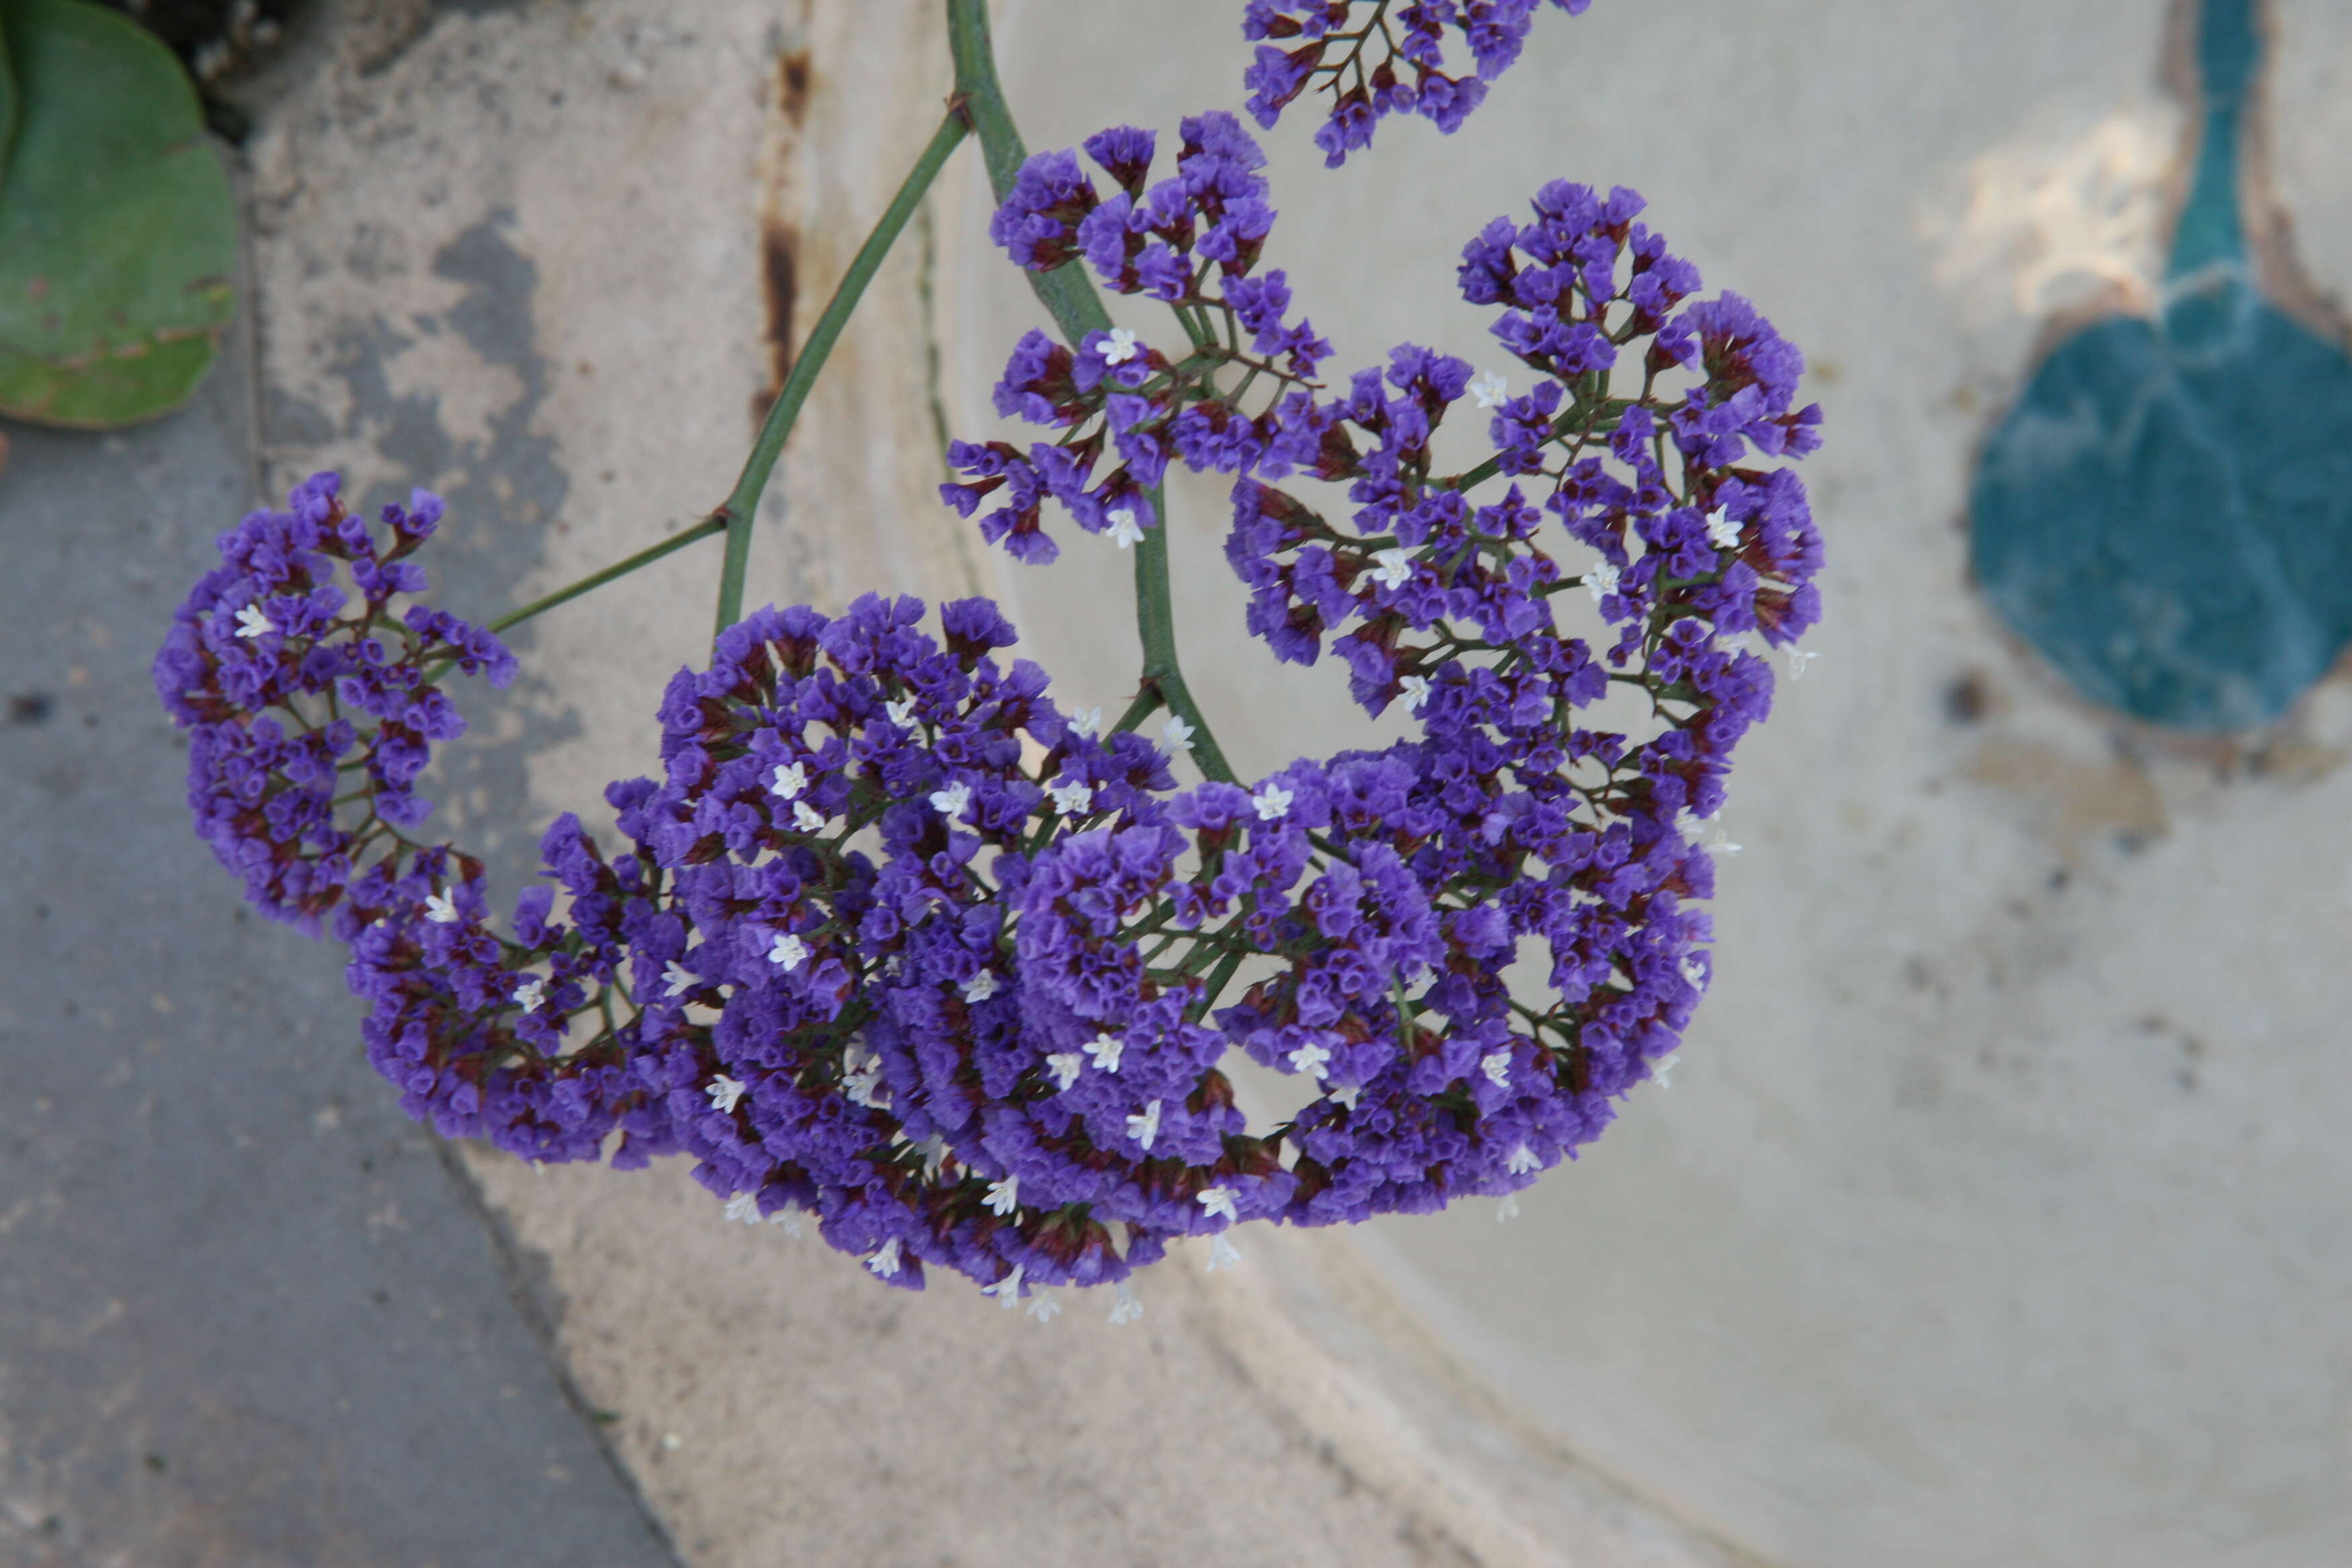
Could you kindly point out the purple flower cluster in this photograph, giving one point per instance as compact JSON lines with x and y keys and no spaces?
{"x":1192,"y":241}
{"x":895,"y":942}
{"x":1362,"y":60}
{"x":313,"y":711}
{"x":1394,"y":892}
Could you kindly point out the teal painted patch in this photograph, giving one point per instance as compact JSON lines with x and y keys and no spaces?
{"x":2166,"y":512}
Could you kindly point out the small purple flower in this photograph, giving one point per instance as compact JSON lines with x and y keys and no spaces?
{"x":1375,"y":62}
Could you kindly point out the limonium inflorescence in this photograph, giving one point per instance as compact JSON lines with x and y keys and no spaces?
{"x":1377,"y":58}
{"x":896,"y":941}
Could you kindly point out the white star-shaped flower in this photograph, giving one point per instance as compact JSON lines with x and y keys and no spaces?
{"x":1506,"y":1208}
{"x":1721,"y":531}
{"x":1496,"y":1065}
{"x":1106,"y":1049}
{"x":1797,"y":659}
{"x":530,"y":993}
{"x":1065,"y":1066}
{"x":1600,"y":580}
{"x":788,"y":950}
{"x":934,"y":1151}
{"x":1042,"y":1305}
{"x":1309,"y":1057}
{"x":675,"y":979}
{"x":790,"y":1219}
{"x":1415,"y":689}
{"x":1490,"y":389}
{"x":1217,"y":1202}
{"x":1694,"y":970}
{"x":949,"y":801}
{"x":1346,"y":1097}
{"x":1086,"y":722}
{"x":1128,"y":1308}
{"x":1522,"y":1161}
{"x":1117,"y":346}
{"x":1724,"y":845}
{"x":1073,"y":796}
{"x":1003,"y":1196}
{"x":745,"y":1207}
{"x":1145,"y":1128}
{"x":252,"y":622}
{"x":1272,"y":801}
{"x":864,"y":1086}
{"x":901,"y":712}
{"x":441,"y":909}
{"x":1661,"y":1067}
{"x":982,"y":986}
{"x":884,"y":1262}
{"x":1392,"y":568}
{"x":1124,"y":530}
{"x":1007,"y":1290}
{"x":1175,"y":736}
{"x":807,"y":818}
{"x":724,"y":1092}
{"x":788,"y":780}
{"x":1223,"y":1253}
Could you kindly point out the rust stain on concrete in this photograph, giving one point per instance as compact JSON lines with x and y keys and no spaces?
{"x":780,"y":234}
{"x":792,"y":85}
{"x":780,"y":248}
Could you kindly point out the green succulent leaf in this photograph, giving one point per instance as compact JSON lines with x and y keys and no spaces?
{"x":118,"y":230}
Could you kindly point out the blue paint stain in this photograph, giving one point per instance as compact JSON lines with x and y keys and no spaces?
{"x":2166,"y":512}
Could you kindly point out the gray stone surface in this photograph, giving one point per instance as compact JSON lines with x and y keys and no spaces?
{"x":249,"y":1315}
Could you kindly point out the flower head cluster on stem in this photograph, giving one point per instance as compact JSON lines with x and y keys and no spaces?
{"x":894,"y":940}
{"x":1376,"y":57}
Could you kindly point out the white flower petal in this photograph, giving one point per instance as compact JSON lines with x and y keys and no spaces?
{"x":1003,"y":1196}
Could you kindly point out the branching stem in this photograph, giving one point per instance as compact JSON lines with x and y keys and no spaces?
{"x":1070,"y":298}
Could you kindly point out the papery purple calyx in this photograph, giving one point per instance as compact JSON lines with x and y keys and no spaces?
{"x":1374,"y":62}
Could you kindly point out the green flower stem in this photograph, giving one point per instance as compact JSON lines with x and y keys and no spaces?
{"x":646,"y":557}
{"x":1070,"y":298}
{"x":739,"y":508}
{"x":594,"y":580}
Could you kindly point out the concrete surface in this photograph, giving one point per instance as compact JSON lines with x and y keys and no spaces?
{"x":250,"y":1317}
